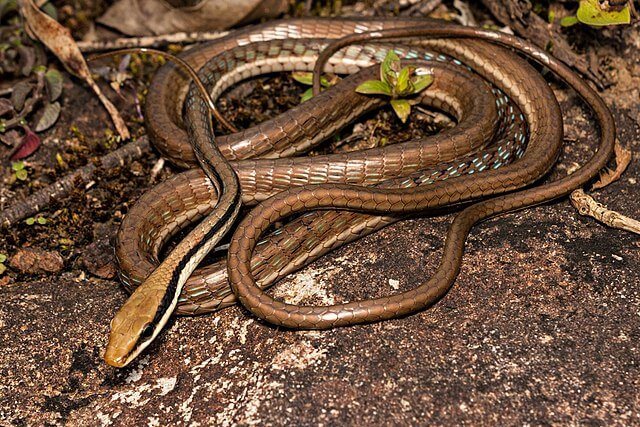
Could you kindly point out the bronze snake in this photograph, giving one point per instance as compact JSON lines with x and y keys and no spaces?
{"x":526,"y":89}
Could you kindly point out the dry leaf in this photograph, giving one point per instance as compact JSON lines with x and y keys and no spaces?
{"x":6,"y":106}
{"x":20,"y":93}
{"x":10,"y":138}
{"x":49,"y":117}
{"x":30,"y":143}
{"x":54,"y":84}
{"x":607,"y":176}
{"x":153,"y":17}
{"x":58,"y":39}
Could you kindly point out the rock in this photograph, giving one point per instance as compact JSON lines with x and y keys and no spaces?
{"x":99,"y":259}
{"x":33,"y":261}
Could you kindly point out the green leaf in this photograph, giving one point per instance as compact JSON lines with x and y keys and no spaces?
{"x":402,"y":108}
{"x":422,"y":82}
{"x":389,"y":66}
{"x":403,"y":84}
{"x":304,"y":77}
{"x":551,"y":17}
{"x":3,"y":268}
{"x":307,"y":95}
{"x":42,"y":220}
{"x":39,"y":69}
{"x":3,"y":258}
{"x":375,"y":87}
{"x":54,"y":84}
{"x":17,"y":166}
{"x":49,"y":116}
{"x":568,"y":21}
{"x":590,"y":13}
{"x":21,"y":175}
{"x":30,"y":221}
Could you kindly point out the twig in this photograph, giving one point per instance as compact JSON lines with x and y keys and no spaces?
{"x":63,"y":187}
{"x":587,"y":206}
{"x":149,"y":41}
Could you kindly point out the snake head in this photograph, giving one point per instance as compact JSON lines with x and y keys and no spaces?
{"x":136,"y":324}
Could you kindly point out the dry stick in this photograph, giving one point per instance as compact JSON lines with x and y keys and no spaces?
{"x":587,"y":206}
{"x":149,"y":41}
{"x":63,"y":187}
{"x":119,"y":157}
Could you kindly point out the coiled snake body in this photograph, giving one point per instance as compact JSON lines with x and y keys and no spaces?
{"x":508,"y":135}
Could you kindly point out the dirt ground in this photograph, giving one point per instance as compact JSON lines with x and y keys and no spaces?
{"x":541,"y":326}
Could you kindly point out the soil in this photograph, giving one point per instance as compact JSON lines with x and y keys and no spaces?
{"x":541,"y":325}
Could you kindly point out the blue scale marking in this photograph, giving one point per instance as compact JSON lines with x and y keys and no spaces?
{"x":412,"y":54}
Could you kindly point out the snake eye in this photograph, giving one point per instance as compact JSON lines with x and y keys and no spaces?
{"x":147,"y":331}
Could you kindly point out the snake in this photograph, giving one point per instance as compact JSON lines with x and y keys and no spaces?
{"x":364,"y":190}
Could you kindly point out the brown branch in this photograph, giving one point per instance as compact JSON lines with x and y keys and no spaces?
{"x":149,"y":41}
{"x":63,"y":187}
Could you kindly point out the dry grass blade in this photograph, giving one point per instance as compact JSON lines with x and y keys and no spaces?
{"x":58,"y":39}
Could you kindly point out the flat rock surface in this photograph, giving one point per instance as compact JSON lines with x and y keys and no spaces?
{"x":541,"y":326}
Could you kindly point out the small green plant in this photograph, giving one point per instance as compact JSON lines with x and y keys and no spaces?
{"x":397,"y":83}
{"x":40,"y":220}
{"x":597,"y":13}
{"x":3,"y":267}
{"x":19,"y":170}
{"x":306,"y":78}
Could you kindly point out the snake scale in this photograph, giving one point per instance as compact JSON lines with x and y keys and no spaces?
{"x":508,"y":135}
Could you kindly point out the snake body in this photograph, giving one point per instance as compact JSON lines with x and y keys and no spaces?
{"x":530,"y":115}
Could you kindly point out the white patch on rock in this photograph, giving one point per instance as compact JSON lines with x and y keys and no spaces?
{"x":104,"y":419}
{"x":136,"y":374}
{"x":304,"y":286}
{"x":166,"y":384}
{"x":298,"y":356}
